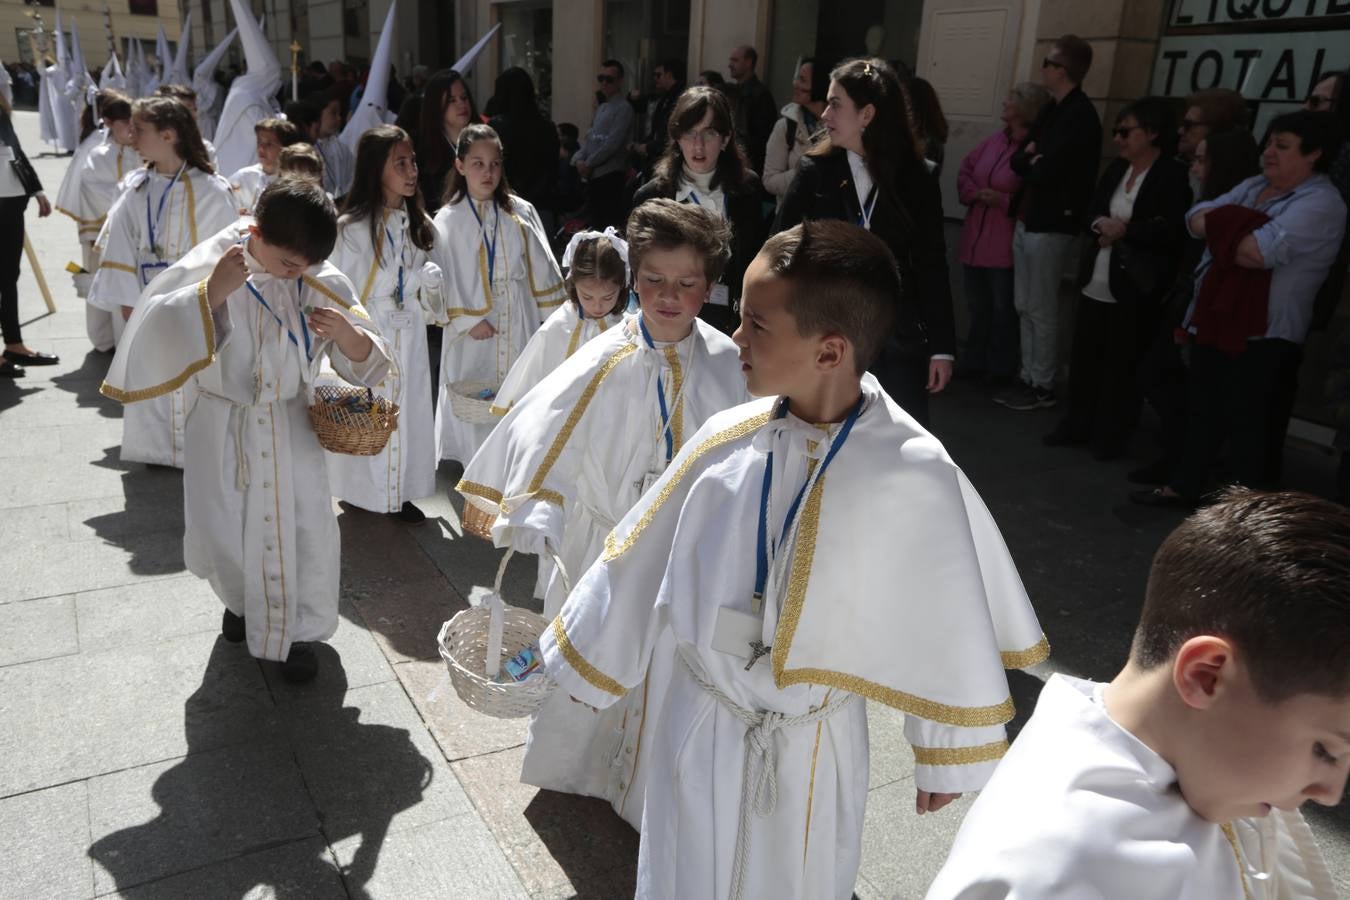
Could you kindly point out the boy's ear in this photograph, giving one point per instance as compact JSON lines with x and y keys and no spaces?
{"x":255,"y":231}
{"x":1202,"y":668}
{"x":832,"y":352}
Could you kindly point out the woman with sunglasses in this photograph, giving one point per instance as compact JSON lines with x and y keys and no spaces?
{"x":1136,"y":224}
{"x":705,"y":166}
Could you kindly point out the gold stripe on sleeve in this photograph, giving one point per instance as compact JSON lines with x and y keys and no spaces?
{"x":960,"y":756}
{"x":593,"y":676}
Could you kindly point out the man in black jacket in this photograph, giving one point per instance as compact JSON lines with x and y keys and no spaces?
{"x":1058,"y":166}
{"x":668,"y":79}
{"x":756,"y":113}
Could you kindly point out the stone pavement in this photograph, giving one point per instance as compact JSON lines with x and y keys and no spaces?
{"x":143,"y":757}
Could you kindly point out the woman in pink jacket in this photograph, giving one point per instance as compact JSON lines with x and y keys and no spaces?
{"x":987,"y":185}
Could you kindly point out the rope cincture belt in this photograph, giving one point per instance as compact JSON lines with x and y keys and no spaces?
{"x":761,"y":792}
{"x":241,"y":476}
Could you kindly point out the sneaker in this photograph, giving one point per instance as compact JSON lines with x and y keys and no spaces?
{"x":1016,"y":392}
{"x":232,"y":627}
{"x":1023,"y":397}
{"x":301,"y":664}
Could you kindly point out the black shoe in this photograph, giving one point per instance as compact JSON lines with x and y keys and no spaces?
{"x":32,"y":359}
{"x":410,"y":514}
{"x":1155,"y":473}
{"x":232,"y":627}
{"x":301,"y":664}
{"x":11,"y":370}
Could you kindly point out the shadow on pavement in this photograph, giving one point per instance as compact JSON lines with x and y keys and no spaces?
{"x":261,"y":780}
{"x":84,"y":383}
{"x":11,"y":394}
{"x":595,"y":848}
{"x":149,"y":525}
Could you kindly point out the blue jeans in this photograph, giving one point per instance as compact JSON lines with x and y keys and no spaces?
{"x":1039,"y":258}
{"x":991,"y":343}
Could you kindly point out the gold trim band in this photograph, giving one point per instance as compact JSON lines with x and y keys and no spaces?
{"x":1020,"y":659}
{"x":960,"y":756}
{"x":173,"y":384}
{"x":593,"y":676}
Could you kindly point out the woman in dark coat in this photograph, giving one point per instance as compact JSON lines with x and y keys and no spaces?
{"x":14,"y":193}
{"x":866,"y":170}
{"x":529,"y":139}
{"x":704,"y":165}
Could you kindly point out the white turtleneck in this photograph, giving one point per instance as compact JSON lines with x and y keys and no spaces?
{"x":696,"y":188}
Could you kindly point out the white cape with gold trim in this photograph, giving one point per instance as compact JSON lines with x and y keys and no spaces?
{"x":406,"y":468}
{"x":516,"y":293}
{"x":259,"y":517}
{"x":1082,"y":808}
{"x":68,"y":195}
{"x":565,"y":464}
{"x":562,"y":334}
{"x":898,"y":588}
{"x":197,"y":206}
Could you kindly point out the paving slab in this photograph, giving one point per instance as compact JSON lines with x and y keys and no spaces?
{"x":45,"y":569}
{"x":901,"y":850}
{"x":37,"y":629}
{"x":460,"y":731}
{"x":300,"y":870}
{"x":406,"y":618}
{"x":349,"y":659}
{"x":147,"y":612}
{"x":45,"y":835}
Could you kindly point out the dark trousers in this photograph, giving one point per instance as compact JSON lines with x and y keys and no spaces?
{"x":11,"y":251}
{"x":904,"y":375}
{"x":1163,"y":385}
{"x":992,"y":342}
{"x":1246,"y":400}
{"x":1104,"y":401}
{"x":606,"y":204}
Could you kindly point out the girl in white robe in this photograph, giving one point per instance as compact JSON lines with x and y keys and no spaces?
{"x":164,"y":211}
{"x":500,"y":278}
{"x":577,"y":451}
{"x":383,"y":242}
{"x":259,"y":519}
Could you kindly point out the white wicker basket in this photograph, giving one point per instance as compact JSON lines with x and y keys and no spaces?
{"x":82,"y":281}
{"x":477,"y":640}
{"x":466,"y":405}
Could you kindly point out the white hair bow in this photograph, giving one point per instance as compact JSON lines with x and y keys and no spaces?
{"x":612,"y":233}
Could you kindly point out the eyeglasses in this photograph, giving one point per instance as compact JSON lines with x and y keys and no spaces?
{"x":706,"y":136}
{"x":1317,"y":101}
{"x":1188,"y":124}
{"x":607,"y":79}
{"x":1049,"y":63}
{"x":1124,"y":133}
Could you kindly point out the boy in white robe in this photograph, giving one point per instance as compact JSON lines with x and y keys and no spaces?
{"x":501,"y":282}
{"x":248,"y":182}
{"x":1181,"y":778}
{"x":800,"y":567}
{"x":249,"y":315}
{"x":164,"y":210}
{"x":383,"y":241}
{"x":579,"y":449}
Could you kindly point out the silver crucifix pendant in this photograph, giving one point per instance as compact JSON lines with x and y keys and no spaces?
{"x":757,"y":649}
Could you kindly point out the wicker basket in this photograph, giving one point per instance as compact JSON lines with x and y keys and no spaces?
{"x":468,"y":407}
{"x":341,"y":429}
{"x":478,"y":640}
{"x":478,"y":518}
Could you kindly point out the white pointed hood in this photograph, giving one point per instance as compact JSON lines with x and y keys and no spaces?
{"x":80,"y":87}
{"x":462,"y":64}
{"x":6,"y":86}
{"x":207,"y":88}
{"x":112,"y":76}
{"x":373,"y":109}
{"x":155,"y":79}
{"x":137,"y":74}
{"x":178,"y":72}
{"x":62,"y":57}
{"x":252,"y":96}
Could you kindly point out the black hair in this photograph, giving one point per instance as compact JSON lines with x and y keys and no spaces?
{"x":296,"y":214}
{"x":613,"y":64}
{"x":434,"y":152}
{"x":1077,"y":55}
{"x":305,"y":114}
{"x":455,"y":185}
{"x":673,"y":66}
{"x":1315,"y":131}
{"x":1231,"y":157}
{"x":1155,"y":114}
{"x":690,"y":108}
{"x":514,"y":95}
{"x":365,"y":201}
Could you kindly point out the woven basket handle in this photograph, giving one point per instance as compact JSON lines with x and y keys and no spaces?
{"x":497,"y":609}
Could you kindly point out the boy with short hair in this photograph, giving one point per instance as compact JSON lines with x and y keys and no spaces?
{"x":301,"y":159}
{"x":251,"y":313}
{"x":800,"y":566}
{"x":248,"y":182}
{"x":1182,"y":777}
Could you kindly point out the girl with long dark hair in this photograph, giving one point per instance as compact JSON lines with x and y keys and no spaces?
{"x":704,"y":165}
{"x":447,"y":109}
{"x":383,"y":246}
{"x":499,"y":277}
{"x":173,"y":203}
{"x":867,"y":170}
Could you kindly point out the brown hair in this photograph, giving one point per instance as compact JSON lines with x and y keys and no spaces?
{"x":113,"y":105}
{"x":693,"y":104}
{"x":843,"y":280}
{"x":285,"y":131}
{"x":178,"y":92}
{"x":167,"y":113}
{"x":1269,"y":572}
{"x":597,"y":258}
{"x":1223,"y":109}
{"x":1077,"y":55}
{"x":296,"y":214}
{"x":300,"y":159}
{"x":455,"y":185}
{"x":664,"y":224}
{"x":365,"y":201}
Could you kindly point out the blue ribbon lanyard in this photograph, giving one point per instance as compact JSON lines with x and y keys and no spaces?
{"x":399,"y":254}
{"x":304,"y":328}
{"x":660,"y":398}
{"x":726,"y":211}
{"x":159,"y":214}
{"x":870,"y":204}
{"x":492,"y":247}
{"x":763,"y":549}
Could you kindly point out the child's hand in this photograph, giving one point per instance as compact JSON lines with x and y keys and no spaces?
{"x":127,"y":310}
{"x":332,"y":325}
{"x":925,"y":801}
{"x":482,"y":331}
{"x":227,"y":277}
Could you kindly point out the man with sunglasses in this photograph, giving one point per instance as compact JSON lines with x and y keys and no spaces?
{"x":602,"y":158}
{"x":1058,"y":166}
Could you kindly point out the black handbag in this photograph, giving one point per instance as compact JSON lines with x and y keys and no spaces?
{"x":23,"y":170}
